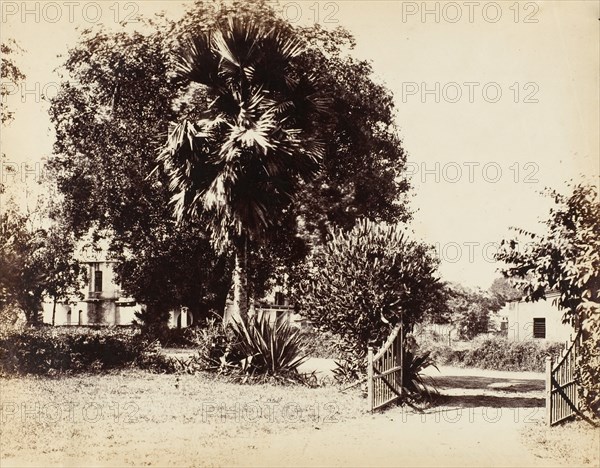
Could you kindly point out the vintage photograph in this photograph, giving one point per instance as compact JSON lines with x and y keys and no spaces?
{"x":270,"y":233}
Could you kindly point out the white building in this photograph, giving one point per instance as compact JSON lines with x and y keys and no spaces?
{"x":102,"y":301}
{"x":541,"y":320}
{"x":275,"y":306}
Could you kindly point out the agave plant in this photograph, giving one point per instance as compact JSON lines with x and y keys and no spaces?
{"x":265,"y":347}
{"x":416,"y":385}
{"x":348,"y":370}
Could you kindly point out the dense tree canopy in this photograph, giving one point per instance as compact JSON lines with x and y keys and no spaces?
{"x":240,"y":165}
{"x":112,"y":116}
{"x":468,"y":310}
{"x":21,"y":283}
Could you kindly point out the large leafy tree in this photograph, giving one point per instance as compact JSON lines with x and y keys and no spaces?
{"x":240,"y":164}
{"x":60,"y":273}
{"x":504,"y":291}
{"x":468,"y":310}
{"x":112,"y":116}
{"x":21,"y":284}
{"x":363,"y":166}
{"x":566,"y":259}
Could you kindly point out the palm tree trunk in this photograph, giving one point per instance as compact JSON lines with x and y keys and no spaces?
{"x":239,"y":307}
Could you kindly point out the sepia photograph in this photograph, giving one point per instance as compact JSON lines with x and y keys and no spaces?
{"x":310,"y":233}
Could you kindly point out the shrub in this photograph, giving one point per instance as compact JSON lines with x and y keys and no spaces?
{"x":348,"y":370}
{"x":566,"y":258}
{"x":498,"y":354}
{"x":55,"y":350}
{"x":366,"y":279}
{"x":190,"y":337}
{"x":249,"y":348}
{"x":320,"y":344}
{"x":416,"y":385}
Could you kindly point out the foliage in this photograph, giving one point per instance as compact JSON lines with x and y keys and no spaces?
{"x":362,"y":174}
{"x":348,"y":370}
{"x":365,"y":280}
{"x":320,"y":344}
{"x":10,"y":75}
{"x":468,"y":310}
{"x":48,"y":351}
{"x":241,"y":163}
{"x":504,"y":290}
{"x":497,"y":354}
{"x":12,"y":318}
{"x":21,"y":282}
{"x":363,"y":163}
{"x":417,"y":386}
{"x":566,"y":258}
{"x":110,"y":116}
{"x":248,"y":347}
{"x":263,"y":347}
{"x":34,"y":262}
{"x":61,"y":272}
{"x":113,"y":112}
{"x":588,"y":370}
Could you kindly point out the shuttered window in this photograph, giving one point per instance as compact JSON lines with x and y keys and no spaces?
{"x":539,"y":328}
{"x":98,"y":281}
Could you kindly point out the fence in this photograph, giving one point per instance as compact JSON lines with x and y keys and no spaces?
{"x":561,"y":388}
{"x":384,"y":371}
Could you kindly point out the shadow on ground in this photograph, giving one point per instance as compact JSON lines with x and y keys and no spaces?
{"x":492,"y":401}
{"x":488,"y":383}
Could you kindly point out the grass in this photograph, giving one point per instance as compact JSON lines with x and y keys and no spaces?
{"x":576,"y":443}
{"x":136,"y":418}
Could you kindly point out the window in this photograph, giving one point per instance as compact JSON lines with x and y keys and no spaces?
{"x":539,"y":328}
{"x":98,"y":281}
{"x":279,"y":298}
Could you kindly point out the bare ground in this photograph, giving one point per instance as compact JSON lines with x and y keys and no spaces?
{"x":139,"y":419}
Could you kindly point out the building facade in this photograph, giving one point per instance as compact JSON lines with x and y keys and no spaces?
{"x":540,"y":320}
{"x":101,"y":300}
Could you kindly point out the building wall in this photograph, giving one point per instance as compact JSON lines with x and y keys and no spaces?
{"x":102,"y":303}
{"x":181,"y":318}
{"x":520,"y":317}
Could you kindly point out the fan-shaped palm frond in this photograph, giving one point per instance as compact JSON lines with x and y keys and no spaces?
{"x":244,"y":160}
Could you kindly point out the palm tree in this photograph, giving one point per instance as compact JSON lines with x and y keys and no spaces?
{"x":241,"y":162}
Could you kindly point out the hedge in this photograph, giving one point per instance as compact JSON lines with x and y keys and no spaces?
{"x":498,"y":354}
{"x":50,"y":350}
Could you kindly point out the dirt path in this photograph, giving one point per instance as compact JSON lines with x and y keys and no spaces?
{"x":479,"y":423}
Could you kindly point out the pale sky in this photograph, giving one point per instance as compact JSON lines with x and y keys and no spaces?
{"x":495,"y":101}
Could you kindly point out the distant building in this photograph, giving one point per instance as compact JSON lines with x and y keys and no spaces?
{"x":275,"y":306}
{"x":102,"y":300}
{"x":541,"y":320}
{"x":181,"y":318}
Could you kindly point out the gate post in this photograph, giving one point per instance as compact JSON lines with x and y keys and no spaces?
{"x":400,"y":339}
{"x":370,"y":377}
{"x":548,"y":391}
